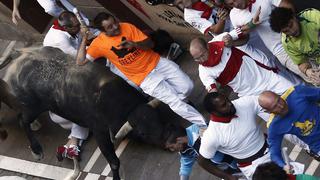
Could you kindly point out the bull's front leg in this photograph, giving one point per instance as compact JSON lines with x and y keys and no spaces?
{"x":106,"y":147}
{"x":36,"y":149}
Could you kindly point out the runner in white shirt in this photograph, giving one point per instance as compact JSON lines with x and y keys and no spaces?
{"x":205,"y":16}
{"x":246,"y":75}
{"x":247,"y":9}
{"x":233,"y":130}
{"x":50,"y":6}
{"x":64,"y":38}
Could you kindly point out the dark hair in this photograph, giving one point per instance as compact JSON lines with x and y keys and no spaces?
{"x":101,"y":17}
{"x":65,"y":17}
{"x":279,"y":18}
{"x":209,"y":99}
{"x":269,"y":171}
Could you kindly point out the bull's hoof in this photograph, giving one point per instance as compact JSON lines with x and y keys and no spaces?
{"x":37,"y":156}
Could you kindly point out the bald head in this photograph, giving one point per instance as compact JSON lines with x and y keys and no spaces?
{"x":266,"y":99}
{"x":273,"y":103}
{"x":198,"y":50}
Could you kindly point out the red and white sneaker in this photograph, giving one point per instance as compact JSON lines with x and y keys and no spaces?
{"x":73,"y":151}
{"x":61,"y":152}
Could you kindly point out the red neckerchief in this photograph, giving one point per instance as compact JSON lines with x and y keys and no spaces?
{"x":250,"y":2}
{"x":291,"y":177}
{"x":222,"y":119}
{"x":215,"y":53}
{"x":201,"y":6}
{"x":57,"y":26}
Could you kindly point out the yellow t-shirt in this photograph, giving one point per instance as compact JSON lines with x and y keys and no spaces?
{"x":134,"y":63}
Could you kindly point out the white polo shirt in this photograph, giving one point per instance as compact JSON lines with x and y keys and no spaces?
{"x":51,"y":7}
{"x":62,"y":40}
{"x":271,"y":39}
{"x":251,"y":79}
{"x":193,"y":17}
{"x":241,"y":138}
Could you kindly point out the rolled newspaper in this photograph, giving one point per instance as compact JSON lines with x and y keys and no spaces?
{"x":286,"y":159}
{"x":285,"y":155}
{"x":79,"y":17}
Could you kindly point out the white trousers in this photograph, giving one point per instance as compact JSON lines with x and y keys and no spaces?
{"x":286,"y":61}
{"x":117,"y":72}
{"x":76,"y":130}
{"x":168,"y":83}
{"x":248,"y":171}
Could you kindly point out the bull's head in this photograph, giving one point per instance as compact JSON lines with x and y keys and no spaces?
{"x":146,"y":124}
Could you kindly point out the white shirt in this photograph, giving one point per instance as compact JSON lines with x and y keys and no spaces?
{"x":241,"y":138}
{"x":271,"y":39}
{"x":62,"y":40}
{"x":51,"y":7}
{"x":251,"y":78}
{"x":193,"y":17}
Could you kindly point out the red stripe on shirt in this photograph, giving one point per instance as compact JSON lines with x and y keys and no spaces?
{"x":201,"y":6}
{"x":57,"y":26}
{"x":232,"y":67}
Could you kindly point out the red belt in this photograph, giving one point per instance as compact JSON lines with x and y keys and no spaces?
{"x":248,"y":161}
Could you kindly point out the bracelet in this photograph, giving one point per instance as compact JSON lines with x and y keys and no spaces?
{"x":251,"y":25}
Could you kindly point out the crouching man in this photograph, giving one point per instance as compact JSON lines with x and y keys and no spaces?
{"x":233,"y":130}
{"x":187,"y":142}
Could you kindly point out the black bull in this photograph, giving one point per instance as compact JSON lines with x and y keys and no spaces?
{"x":90,"y":95}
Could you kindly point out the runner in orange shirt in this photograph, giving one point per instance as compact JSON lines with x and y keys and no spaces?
{"x":129,"y":50}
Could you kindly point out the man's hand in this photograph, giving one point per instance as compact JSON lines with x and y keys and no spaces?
{"x":127,"y":44}
{"x":84,"y":31}
{"x":288,"y":169}
{"x":256,"y":19}
{"x":314,"y":75}
{"x":227,"y":39}
{"x":253,"y":23}
{"x":15,"y":15}
{"x":222,"y":14}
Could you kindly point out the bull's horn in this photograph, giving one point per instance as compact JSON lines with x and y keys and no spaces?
{"x":76,"y":170}
{"x":154,"y":102}
{"x":124,"y":130}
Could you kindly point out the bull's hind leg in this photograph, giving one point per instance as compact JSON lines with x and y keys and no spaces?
{"x":26,"y":118}
{"x":106,"y":147}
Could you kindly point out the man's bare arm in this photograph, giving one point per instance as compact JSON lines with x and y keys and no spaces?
{"x":229,"y":42}
{"x":15,"y":11}
{"x":211,"y":168}
{"x":81,"y":55}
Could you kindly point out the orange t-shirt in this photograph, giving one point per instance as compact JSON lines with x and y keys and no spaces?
{"x":134,"y":63}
